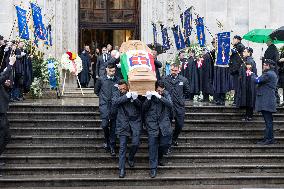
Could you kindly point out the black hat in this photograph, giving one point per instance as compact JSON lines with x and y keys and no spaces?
{"x":238,"y":37}
{"x":270,"y":62}
{"x":249,"y":49}
{"x":1,"y":37}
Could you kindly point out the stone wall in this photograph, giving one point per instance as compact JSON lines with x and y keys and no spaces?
{"x":236,"y":16}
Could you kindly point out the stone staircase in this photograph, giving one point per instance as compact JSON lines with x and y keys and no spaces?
{"x":60,"y":145}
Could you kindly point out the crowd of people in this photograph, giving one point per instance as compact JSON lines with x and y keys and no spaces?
{"x":125,"y":114}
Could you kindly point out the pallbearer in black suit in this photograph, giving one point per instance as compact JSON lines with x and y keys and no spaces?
{"x":104,"y":89}
{"x":127,"y":108}
{"x":178,"y":88}
{"x":157,"y":110}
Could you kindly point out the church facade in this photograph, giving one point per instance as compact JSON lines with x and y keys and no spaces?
{"x":98,"y":22}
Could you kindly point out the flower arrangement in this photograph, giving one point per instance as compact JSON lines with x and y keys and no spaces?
{"x":71,"y":62}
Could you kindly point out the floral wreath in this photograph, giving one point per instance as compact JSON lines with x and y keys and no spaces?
{"x":71,"y":62}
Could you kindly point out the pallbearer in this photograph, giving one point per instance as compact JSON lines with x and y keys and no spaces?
{"x":157,"y":109}
{"x":127,"y":107}
{"x":104,"y":89}
{"x":178,"y":88}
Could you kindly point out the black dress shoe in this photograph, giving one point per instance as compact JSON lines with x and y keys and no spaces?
{"x":112,"y":152}
{"x":2,"y":164}
{"x":130,"y":163}
{"x":153,"y":173}
{"x":161,"y":163}
{"x":121,"y":173}
{"x":266,"y":142}
{"x":175,"y":143}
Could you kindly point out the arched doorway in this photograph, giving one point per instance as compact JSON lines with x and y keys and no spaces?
{"x":103,"y":22}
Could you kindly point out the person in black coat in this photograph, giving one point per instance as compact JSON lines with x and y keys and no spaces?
{"x":246,"y":95}
{"x":157,"y":110}
{"x":158,"y":65}
{"x":193,"y":79}
{"x":127,"y":108}
{"x":105,"y":86}
{"x":84,"y":76}
{"x":205,"y":76}
{"x":281,"y":73}
{"x":102,"y":63}
{"x":4,"y":101}
{"x":115,"y":59}
{"x":272,"y":53}
{"x":178,"y":87}
{"x":265,"y":98}
{"x":19,"y":70}
{"x":236,"y":60}
{"x":2,"y":52}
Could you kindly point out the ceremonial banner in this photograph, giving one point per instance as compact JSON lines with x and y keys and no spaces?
{"x":186,"y":20}
{"x":51,"y":73}
{"x":200,"y":31}
{"x":22,"y":23}
{"x":223,"y":51}
{"x":155,"y":34}
{"x":179,"y":40}
{"x":136,"y":58}
{"x":40,"y":30}
{"x":165,"y":37}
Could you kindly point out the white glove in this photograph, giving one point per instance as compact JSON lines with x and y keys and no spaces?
{"x":128,"y":94}
{"x":155,"y":93}
{"x":148,"y":95}
{"x":23,"y":53}
{"x":134,"y":95}
{"x":118,"y":65}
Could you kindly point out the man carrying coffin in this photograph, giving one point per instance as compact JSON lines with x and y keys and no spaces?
{"x":127,"y":108}
{"x":157,"y":110}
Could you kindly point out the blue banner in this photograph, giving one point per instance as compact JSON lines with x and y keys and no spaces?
{"x":179,"y":40}
{"x":223,"y":51}
{"x":40,"y":31}
{"x":186,"y":20}
{"x":155,"y":34}
{"x":165,"y":37}
{"x":51,"y":73}
{"x":22,"y":23}
{"x":200,"y":31}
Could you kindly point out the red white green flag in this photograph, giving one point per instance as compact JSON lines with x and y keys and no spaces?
{"x":134,"y":59}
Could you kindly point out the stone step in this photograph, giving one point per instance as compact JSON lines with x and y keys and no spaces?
{"x":142,"y":158}
{"x":96,"y":115}
{"x":73,"y":139}
{"x":105,"y":169}
{"x":93,"y":106}
{"x":182,"y":148}
{"x":96,"y":123}
{"x":180,"y":186}
{"x":143,"y":179}
{"x":188,"y":131}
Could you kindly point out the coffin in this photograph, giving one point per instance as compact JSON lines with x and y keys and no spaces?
{"x":138,"y":66}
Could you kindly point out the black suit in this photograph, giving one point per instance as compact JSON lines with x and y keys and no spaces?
{"x":102,"y":62}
